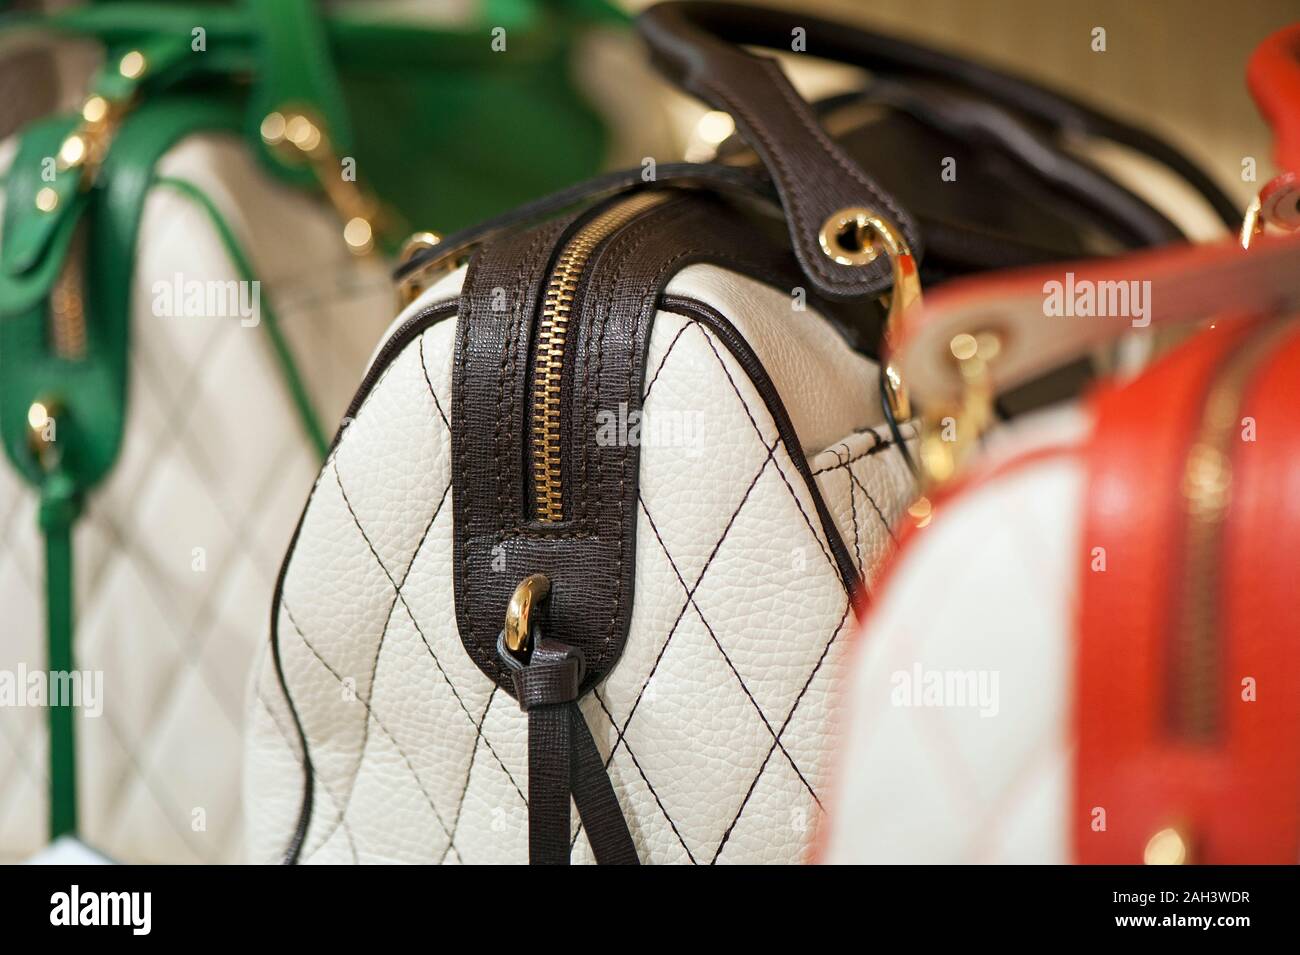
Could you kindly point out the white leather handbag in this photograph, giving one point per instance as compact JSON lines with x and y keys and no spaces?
{"x":595,"y":525}
{"x":1068,"y":663}
{"x":175,"y":554}
{"x":766,"y":485}
{"x":1089,"y":651}
{"x":176,"y":320}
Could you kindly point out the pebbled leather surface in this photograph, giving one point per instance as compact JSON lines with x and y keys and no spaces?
{"x":214,"y":457}
{"x":714,"y":722}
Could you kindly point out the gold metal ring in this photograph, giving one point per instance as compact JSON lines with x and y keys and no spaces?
{"x":848,"y":237}
{"x":856,"y":235}
{"x":530,"y":592}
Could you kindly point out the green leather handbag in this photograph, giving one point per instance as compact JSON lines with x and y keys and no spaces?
{"x":394,"y":123}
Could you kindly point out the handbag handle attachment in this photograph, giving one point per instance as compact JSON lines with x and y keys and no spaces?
{"x":978,"y":337}
{"x":1273,"y":75}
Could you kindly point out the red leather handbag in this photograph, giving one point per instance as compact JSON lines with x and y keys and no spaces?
{"x":1088,"y":650}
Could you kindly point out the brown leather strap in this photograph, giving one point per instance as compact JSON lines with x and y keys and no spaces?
{"x":699,"y":46}
{"x":813,"y":175}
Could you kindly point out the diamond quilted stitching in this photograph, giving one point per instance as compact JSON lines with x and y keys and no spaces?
{"x":669,"y":733}
{"x":785,"y":603}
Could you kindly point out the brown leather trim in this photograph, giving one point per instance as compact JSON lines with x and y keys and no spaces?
{"x":589,"y":557}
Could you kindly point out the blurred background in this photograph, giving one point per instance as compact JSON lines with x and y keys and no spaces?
{"x":1177,"y":66}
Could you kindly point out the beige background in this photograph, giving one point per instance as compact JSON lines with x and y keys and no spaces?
{"x":1176,"y":66}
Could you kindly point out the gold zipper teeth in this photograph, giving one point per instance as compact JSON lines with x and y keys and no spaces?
{"x":67,"y":308}
{"x":1207,"y":491}
{"x":552,"y":338}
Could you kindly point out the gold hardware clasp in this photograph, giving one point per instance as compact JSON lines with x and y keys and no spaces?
{"x":530,"y":592}
{"x":950,"y":432}
{"x":856,"y":236}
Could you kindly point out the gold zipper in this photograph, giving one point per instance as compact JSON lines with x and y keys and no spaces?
{"x":1207,"y":492}
{"x":552,"y":338}
{"x":67,"y":304}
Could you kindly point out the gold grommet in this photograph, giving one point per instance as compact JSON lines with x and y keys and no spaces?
{"x":848,"y":237}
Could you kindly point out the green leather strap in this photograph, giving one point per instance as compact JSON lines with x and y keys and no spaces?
{"x":295,"y":68}
{"x":87,"y":391}
{"x":59,"y":506}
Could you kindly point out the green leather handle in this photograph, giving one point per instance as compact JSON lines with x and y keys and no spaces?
{"x":295,"y":66}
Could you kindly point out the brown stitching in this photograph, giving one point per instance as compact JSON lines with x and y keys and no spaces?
{"x":881,"y":444}
{"x":779,"y":441}
{"x":888,"y":530}
{"x":789,"y":717}
{"x":725,"y":656}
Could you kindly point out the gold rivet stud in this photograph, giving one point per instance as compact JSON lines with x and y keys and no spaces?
{"x":273,"y":128}
{"x":73,"y":151}
{"x":133,"y":65}
{"x":1166,"y":847}
{"x":302,"y":132}
{"x":47,"y":200}
{"x":95,"y":109}
{"x":359,"y":235}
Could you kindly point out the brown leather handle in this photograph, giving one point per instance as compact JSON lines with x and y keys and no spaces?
{"x":813,"y":176}
{"x":699,"y":45}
